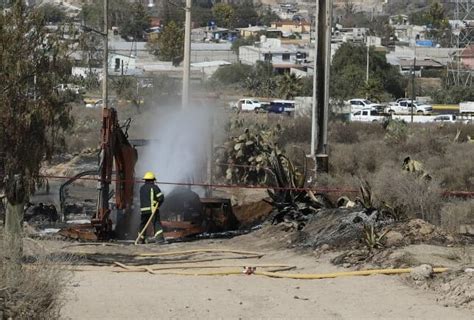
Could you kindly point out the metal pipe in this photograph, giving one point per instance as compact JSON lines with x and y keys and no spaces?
{"x":187,"y":55}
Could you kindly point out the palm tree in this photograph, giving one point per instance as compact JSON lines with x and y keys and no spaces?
{"x":289,"y":86}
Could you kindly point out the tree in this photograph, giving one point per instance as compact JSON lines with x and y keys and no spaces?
{"x":33,"y":116}
{"x":231,"y":74}
{"x":289,"y":86}
{"x":201,"y":15}
{"x":51,"y":13}
{"x":436,"y":20}
{"x":169,"y":44}
{"x":224,"y":15}
{"x":136,"y":24}
{"x":242,"y":42}
{"x":267,"y":17}
{"x":245,"y":15}
{"x":93,"y":13}
{"x":127,"y":88}
{"x":348,"y":73}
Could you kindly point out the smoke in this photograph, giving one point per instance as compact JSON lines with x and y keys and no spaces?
{"x":179,"y":145}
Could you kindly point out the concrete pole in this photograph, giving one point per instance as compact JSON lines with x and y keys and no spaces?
{"x":314,"y":115}
{"x":105,"y":61}
{"x":187,"y":55}
{"x":368,"y":60}
{"x":322,"y":81}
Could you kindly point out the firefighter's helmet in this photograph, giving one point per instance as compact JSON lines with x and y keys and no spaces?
{"x":149,"y":176}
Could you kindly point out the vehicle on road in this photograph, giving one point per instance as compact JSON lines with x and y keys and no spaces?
{"x":74,"y":88}
{"x":405,"y":107}
{"x":454,"y":118}
{"x":247,"y":104}
{"x":466,"y":107}
{"x":281,"y":106}
{"x":367,"y":115}
{"x":95,"y":104}
{"x":445,"y":118}
{"x":359,"y":104}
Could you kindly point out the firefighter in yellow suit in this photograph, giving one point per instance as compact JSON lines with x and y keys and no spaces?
{"x":151,"y":198}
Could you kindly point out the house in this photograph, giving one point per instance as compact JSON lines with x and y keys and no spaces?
{"x":399,"y":19}
{"x":341,"y":34}
{"x":441,"y":55}
{"x":291,"y":27}
{"x":406,"y":66}
{"x":120,"y":64}
{"x":252,"y":31}
{"x":212,"y":33}
{"x":271,"y":50}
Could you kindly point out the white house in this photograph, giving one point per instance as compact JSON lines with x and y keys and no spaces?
{"x":272,"y":51}
{"x":120,"y":64}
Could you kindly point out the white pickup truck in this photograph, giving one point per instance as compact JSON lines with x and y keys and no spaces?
{"x":247,"y":104}
{"x":359,"y":104}
{"x":367,"y":115}
{"x":405,"y":107}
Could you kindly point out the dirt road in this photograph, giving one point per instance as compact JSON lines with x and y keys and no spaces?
{"x":101,"y":294}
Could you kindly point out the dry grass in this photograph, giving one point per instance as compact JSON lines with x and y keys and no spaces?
{"x":457,"y":212}
{"x":38,"y":290}
{"x":406,"y":194}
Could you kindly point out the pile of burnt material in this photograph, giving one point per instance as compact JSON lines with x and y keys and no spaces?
{"x":41,"y":213}
{"x":184,"y":214}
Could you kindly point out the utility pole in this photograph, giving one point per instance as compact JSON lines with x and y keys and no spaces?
{"x":105,"y":60}
{"x":413,"y":96}
{"x":104,"y":185}
{"x":368,"y":41}
{"x":187,"y":55}
{"x":321,"y":94}
{"x":314,"y":117}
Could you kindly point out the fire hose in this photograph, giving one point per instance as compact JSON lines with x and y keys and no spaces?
{"x":154,"y":210}
{"x":274,"y":273}
{"x":271,"y":274}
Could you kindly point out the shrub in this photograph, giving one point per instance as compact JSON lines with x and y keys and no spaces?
{"x":38,"y":290}
{"x":231,"y":74}
{"x":407,"y":194}
{"x":456,"y":213}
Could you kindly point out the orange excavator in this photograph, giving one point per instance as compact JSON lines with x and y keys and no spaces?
{"x":183,"y":214}
{"x":115,"y":148}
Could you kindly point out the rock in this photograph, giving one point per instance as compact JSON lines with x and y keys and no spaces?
{"x":426,"y":229}
{"x":393,"y":238}
{"x":346,"y":265}
{"x":324,"y":247}
{"x":422,"y":272}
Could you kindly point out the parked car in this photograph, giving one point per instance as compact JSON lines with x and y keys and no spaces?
{"x":359,"y":104}
{"x":405,"y":107}
{"x":70,"y":87}
{"x":95,"y":104}
{"x":367,"y":115}
{"x":247,"y":104}
{"x":453,"y":118}
{"x":281,"y":106}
